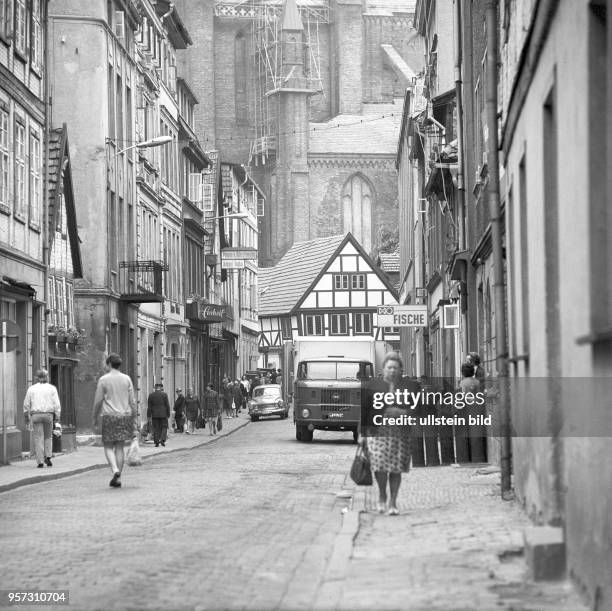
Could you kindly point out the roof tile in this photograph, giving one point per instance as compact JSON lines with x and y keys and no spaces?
{"x":282,"y":286}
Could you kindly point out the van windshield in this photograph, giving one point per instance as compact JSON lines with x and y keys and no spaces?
{"x":332,"y":370}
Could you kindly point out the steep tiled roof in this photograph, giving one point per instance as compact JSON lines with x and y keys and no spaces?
{"x":374,"y":132}
{"x":59,"y":180}
{"x":55,"y":160}
{"x":281,"y":286}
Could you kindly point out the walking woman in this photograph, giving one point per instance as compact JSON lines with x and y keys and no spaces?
{"x":211,"y":409}
{"x":115,"y":410}
{"x":389,"y":447}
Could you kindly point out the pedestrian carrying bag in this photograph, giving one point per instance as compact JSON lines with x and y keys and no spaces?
{"x":219,"y":422}
{"x":361,"y":472}
{"x":133,"y":457}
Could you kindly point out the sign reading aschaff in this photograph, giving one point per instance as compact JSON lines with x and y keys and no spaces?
{"x":238,"y":253}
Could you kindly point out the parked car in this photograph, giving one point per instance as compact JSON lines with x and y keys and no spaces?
{"x":267,"y":400}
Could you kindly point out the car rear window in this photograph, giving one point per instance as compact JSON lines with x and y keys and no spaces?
{"x":266,"y":392}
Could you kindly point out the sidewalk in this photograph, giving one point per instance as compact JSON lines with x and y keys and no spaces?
{"x":88,"y":457}
{"x":455,"y":546}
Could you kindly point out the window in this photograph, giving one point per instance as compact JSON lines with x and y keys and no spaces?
{"x":119,"y":25}
{"x":111,"y":104}
{"x":357,"y":209}
{"x":20,"y":26}
{"x":35,"y":180}
{"x":6,"y":18}
{"x":286,"y":328}
{"x":358,"y":281}
{"x":60,"y":300}
{"x":20,"y":162}
{"x":341,"y":281}
{"x":314,"y":324}
{"x":4,"y":158}
{"x":362,"y":323}
{"x":339,"y":324}
{"x":52,"y":316}
{"x":36,"y":35}
{"x":69,"y":305}
{"x":195,"y":188}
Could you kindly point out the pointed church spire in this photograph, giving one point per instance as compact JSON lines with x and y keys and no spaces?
{"x":291,"y":17}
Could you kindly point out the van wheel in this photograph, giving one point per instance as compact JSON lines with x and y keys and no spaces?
{"x":302,"y":433}
{"x":254,"y":418}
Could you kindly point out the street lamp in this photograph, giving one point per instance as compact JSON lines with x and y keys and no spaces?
{"x":157,"y":141}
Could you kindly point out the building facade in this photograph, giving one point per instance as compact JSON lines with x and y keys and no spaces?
{"x":559,"y":282}
{"x":24,"y":239}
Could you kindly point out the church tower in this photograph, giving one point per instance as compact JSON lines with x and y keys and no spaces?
{"x":291,"y":198}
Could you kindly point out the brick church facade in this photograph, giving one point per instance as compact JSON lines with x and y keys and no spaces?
{"x":308,"y":95}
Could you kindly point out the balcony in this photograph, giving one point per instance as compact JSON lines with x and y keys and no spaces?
{"x":141,"y":281}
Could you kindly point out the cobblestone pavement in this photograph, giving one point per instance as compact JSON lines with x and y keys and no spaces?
{"x":455,"y":546}
{"x":259,"y":521}
{"x":247,"y":522}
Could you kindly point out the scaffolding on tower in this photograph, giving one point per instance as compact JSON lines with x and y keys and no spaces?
{"x":266,"y":61}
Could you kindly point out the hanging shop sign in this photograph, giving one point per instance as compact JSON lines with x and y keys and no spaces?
{"x":207,"y":312}
{"x":238,"y":253}
{"x":402,"y":316}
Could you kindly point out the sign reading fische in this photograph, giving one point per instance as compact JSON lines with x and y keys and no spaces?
{"x":402,"y":316}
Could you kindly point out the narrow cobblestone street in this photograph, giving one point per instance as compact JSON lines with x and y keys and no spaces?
{"x":255,"y":521}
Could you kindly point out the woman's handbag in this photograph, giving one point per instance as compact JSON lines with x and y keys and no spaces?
{"x":361,"y":472}
{"x":219,"y":423}
{"x":133,"y":456}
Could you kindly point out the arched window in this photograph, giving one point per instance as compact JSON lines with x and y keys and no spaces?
{"x":240,"y":77}
{"x":357,"y":209}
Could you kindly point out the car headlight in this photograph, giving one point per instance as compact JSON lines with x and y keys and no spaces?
{"x":279,"y":403}
{"x":305,"y":413}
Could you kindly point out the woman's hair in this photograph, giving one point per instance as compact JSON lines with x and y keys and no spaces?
{"x":467,"y":370}
{"x":393,"y":356}
{"x":474,"y":357}
{"x":114,"y":360}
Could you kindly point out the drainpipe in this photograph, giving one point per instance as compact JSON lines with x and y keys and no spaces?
{"x":498,"y":260}
{"x":462,"y":241}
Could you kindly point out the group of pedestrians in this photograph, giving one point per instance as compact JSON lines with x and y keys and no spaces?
{"x":191,"y":414}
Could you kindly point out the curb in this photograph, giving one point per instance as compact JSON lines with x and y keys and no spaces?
{"x":47,"y":477}
{"x":330,"y":590}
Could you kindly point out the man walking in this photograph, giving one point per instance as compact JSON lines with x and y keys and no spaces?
{"x":41,"y":407}
{"x":158,"y":409}
{"x":115,"y":412}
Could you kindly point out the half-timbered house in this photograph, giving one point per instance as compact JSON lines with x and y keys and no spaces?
{"x":63,"y":335}
{"x":327,"y":287}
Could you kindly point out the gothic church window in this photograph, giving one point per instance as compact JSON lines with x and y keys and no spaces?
{"x":357,"y":198}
